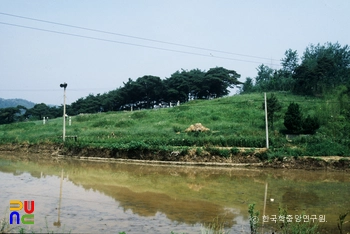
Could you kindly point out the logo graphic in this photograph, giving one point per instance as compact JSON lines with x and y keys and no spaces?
{"x":17,"y":205}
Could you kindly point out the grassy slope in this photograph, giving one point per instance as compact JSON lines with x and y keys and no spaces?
{"x":236,"y":121}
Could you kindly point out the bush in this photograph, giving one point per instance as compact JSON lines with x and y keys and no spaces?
{"x":235,"y":151}
{"x":293,"y":118}
{"x":199,"y":151}
{"x":177,"y":129}
{"x":311,"y":124}
{"x":217,"y":151}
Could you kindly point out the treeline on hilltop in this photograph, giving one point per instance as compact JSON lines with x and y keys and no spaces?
{"x":143,"y":93}
{"x":321,"y":70}
{"x":317,"y":72}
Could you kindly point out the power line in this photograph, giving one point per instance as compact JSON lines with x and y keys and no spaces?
{"x":135,"y":37}
{"x":127,"y":43}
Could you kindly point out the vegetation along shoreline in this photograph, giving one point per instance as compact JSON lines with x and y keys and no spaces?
{"x":242,"y":158}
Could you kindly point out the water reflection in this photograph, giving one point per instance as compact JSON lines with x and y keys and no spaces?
{"x":58,"y":223}
{"x":177,"y":198}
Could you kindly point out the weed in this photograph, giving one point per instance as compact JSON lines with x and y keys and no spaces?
{"x":253,"y":219}
{"x":215,"y":117}
{"x":215,"y":227}
{"x":176,"y":128}
{"x":199,"y":151}
{"x":235,"y":151}
{"x":341,"y":221}
{"x":304,"y":226}
{"x":123,"y":123}
{"x":139,"y":115}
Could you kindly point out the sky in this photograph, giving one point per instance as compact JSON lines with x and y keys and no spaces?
{"x":96,"y":45}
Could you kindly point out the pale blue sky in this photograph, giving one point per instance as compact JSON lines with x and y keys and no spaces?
{"x":33,"y":63}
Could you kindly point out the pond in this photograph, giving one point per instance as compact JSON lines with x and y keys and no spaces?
{"x":83,"y":196}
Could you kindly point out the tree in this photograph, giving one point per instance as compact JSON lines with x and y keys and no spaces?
{"x":248,"y":86}
{"x":178,"y":87}
{"x":263,"y":81}
{"x":290,"y":62}
{"x":293,"y":118}
{"x":9,"y":115}
{"x":310,"y":124}
{"x":219,"y":79}
{"x":273,"y":106}
{"x":149,"y":89}
{"x":323,"y":67}
{"x":344,"y":101}
{"x":39,"y":111}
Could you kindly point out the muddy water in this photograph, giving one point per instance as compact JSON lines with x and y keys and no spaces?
{"x":135,"y":198}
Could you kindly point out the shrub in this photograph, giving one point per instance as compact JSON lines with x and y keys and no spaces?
{"x":217,"y":151}
{"x":137,"y":145}
{"x":311,"y":124}
{"x":177,"y":129}
{"x":235,"y":151}
{"x":293,"y":118}
{"x":215,"y":117}
{"x":199,"y":151}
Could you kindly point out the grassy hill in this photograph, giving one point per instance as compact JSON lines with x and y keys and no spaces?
{"x":236,"y":121}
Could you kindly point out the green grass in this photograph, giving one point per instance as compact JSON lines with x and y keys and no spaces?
{"x":236,"y":121}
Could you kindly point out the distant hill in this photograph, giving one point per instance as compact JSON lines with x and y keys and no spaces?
{"x":15,"y":102}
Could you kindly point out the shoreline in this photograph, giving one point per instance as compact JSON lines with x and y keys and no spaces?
{"x":175,"y":158}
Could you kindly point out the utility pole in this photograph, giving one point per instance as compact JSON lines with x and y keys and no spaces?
{"x":266,"y":123}
{"x":64,"y":86}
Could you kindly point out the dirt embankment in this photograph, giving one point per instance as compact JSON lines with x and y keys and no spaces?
{"x":190,"y":157}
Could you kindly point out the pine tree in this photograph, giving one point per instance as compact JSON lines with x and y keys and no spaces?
{"x":293,"y":118}
{"x":273,"y":106}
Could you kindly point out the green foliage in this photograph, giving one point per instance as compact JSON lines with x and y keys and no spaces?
{"x":293,"y":118}
{"x":262,"y":155}
{"x":248,"y":86}
{"x":215,"y":117}
{"x":124,"y":123}
{"x":323,"y":67}
{"x":304,"y":226}
{"x":241,"y":125}
{"x":85,"y":117}
{"x":253,"y":219}
{"x":139,"y":114}
{"x":103,"y":123}
{"x":326,"y":148}
{"x":310,"y":124}
{"x":199,"y":151}
{"x":217,"y":226}
{"x":290,"y":62}
{"x":9,"y":115}
{"x":235,"y":151}
{"x":341,"y":221}
{"x":273,"y":106}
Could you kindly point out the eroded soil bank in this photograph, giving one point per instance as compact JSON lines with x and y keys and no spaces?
{"x":190,"y":157}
